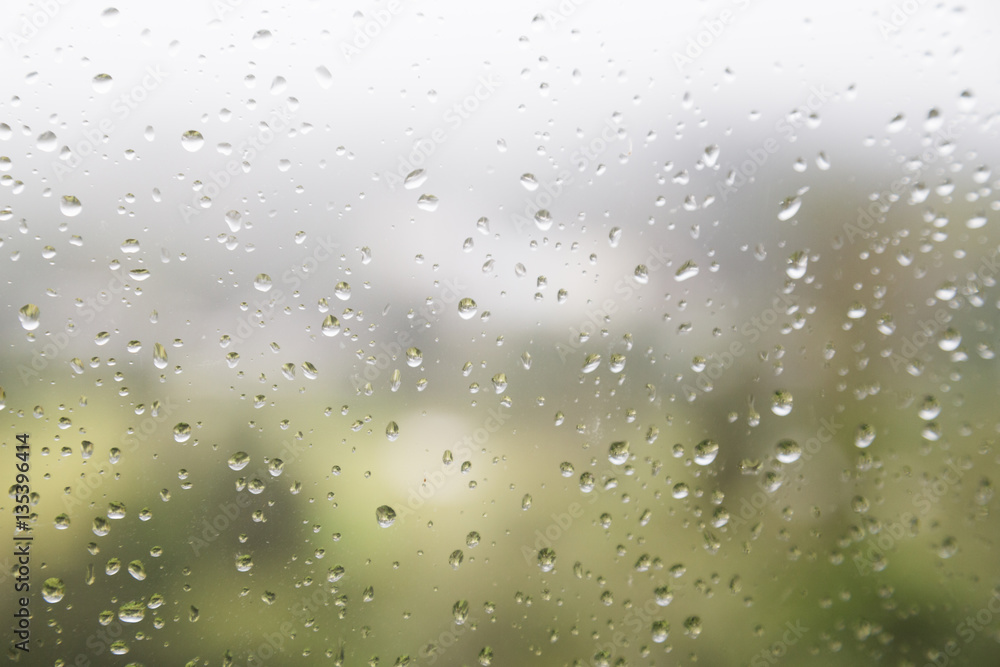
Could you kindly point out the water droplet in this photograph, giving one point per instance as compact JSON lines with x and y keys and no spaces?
{"x":460,"y":612}
{"x":159,"y":355}
{"x":950,"y":340}
{"x":414,"y":357}
{"x":239,"y":460}
{"x":342,"y":290}
{"x":688,"y":270}
{"x":930,"y":408}
{"x":618,"y":453}
{"x":500,"y":382}
{"x":615,"y":236}
{"x":529,"y":182}
{"x":456,"y":558}
{"x":467,"y":308}
{"x":427,"y":203}
{"x":948,"y":548}
{"x":331,"y":326}
{"x":415,"y":179}
{"x":192,"y":140}
{"x":53,"y":590}
{"x":28,"y":314}
{"x":692,"y":627}
{"x":100,"y":526}
{"x":244,"y":562}
{"x":543,"y":220}
{"x":136,"y":569}
{"x":641,"y":274}
{"x":392,"y":431}
{"x":70,"y":206}
{"x":324,"y":77}
{"x":781,"y":403}
{"x":789,"y":451}
{"x":102,"y":83}
{"x":47,"y":141}
{"x":789,"y":208}
{"x":546,"y":559}
{"x":262,"y":283}
{"x":385,"y":516}
{"x":661,"y":630}
{"x":705,"y":452}
{"x":798,"y":262}
{"x":182,"y":432}
{"x":591,"y":362}
{"x":864,"y":436}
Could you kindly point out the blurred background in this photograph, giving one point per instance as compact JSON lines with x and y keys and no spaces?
{"x":579,"y":333}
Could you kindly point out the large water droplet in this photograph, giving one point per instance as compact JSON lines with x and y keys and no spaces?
{"x":705,"y":452}
{"x":781,"y":403}
{"x":467,"y":308}
{"x":53,"y":590}
{"x":331,"y":326}
{"x":192,"y":140}
{"x":28,"y":314}
{"x":239,"y":460}
{"x":70,"y":206}
{"x":262,"y":283}
{"x":546,"y":559}
{"x":618,"y":452}
{"x":182,"y":432}
{"x":415,"y":179}
{"x":385,"y":516}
